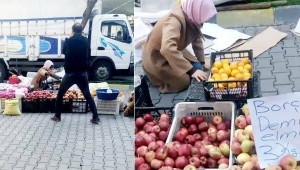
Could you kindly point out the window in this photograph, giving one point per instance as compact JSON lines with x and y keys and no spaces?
{"x":116,"y":30}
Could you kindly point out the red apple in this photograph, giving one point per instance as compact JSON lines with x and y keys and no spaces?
{"x":189,"y":120}
{"x":160,"y":143}
{"x":211,"y":163}
{"x":172,"y":152}
{"x":139,"y":141}
{"x":212,"y":130}
{"x":221,"y":126}
{"x":161,"y":153}
{"x":223,"y":160}
{"x":156,"y":129}
{"x":141,"y":151}
{"x":210,"y":125}
{"x":288,"y":162}
{"x":192,"y":129}
{"x":147,"y":128}
{"x":203,"y":126}
{"x":148,"y":139}
{"x":222,"y":135}
{"x":212,"y":136}
{"x":198,"y":144}
{"x":195,"y":161}
{"x":140,"y":122}
{"x":248,"y":120}
{"x":199,"y":119}
{"x":190,"y":139}
{"x":144,"y":166}
{"x":150,"y":156}
{"x":138,"y":161}
{"x":195,"y":151}
{"x":217,"y":119}
{"x":181,"y":162}
{"x":156,"y":164}
{"x":203,"y":134}
{"x":203,"y":151}
{"x":184,"y":150}
{"x":236,"y":148}
{"x":169,"y":162}
{"x":225,"y":141}
{"x":164,"y":115}
{"x":148,"y":117}
{"x":179,"y":136}
{"x":240,"y":122}
{"x":163,"y":135}
{"x":184,"y":131}
{"x":151,"y":123}
{"x":153,"y":146}
{"x":197,"y":136}
{"x":154,"y":136}
{"x":164,"y":125}
{"x":228,"y":124}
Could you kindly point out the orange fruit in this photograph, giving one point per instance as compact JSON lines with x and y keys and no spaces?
{"x":225,"y":65}
{"x":218,"y":64}
{"x":245,"y":74}
{"x":214,"y":70}
{"x":245,"y":71}
{"x":227,"y":70}
{"x":247,"y":78}
{"x":240,"y":68}
{"x":234,"y":72}
{"x":224,"y":75}
{"x":231,"y":78}
{"x":239,"y":76}
{"x":216,"y":76}
{"x":247,"y":66}
{"x":241,"y":64}
{"x":232,"y":85}
{"x":220,"y":86}
{"x":245,"y":61}
{"x":221,"y":71}
{"x":233,"y":65}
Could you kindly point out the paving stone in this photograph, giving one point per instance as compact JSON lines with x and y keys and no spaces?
{"x":283,"y":89}
{"x":288,"y":43}
{"x":276,"y":49}
{"x":291,"y":51}
{"x":264,"y":55}
{"x":293,"y":61}
{"x":166,"y":100}
{"x":278,"y":57}
{"x":154,"y":93}
{"x":267,"y":85}
{"x":294,"y":72}
{"x":296,"y":82}
{"x":264,"y":63}
{"x":177,"y":101}
{"x":282,"y":79}
{"x":181,"y":95}
{"x":280,"y":67}
{"x":260,"y":29}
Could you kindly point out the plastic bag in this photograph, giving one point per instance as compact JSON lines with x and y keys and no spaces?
{"x":12,"y":108}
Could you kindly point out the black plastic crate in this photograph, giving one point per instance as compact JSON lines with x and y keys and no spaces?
{"x":154,"y":111}
{"x":46,"y":105}
{"x":67,"y":106}
{"x":79,"y":106}
{"x":30,"y":106}
{"x":243,"y":89}
{"x":142,"y":95}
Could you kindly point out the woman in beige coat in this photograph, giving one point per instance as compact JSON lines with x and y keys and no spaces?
{"x":165,"y":60}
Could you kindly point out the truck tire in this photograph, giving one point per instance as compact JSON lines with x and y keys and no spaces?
{"x":102,"y":70}
{"x":3,"y":72}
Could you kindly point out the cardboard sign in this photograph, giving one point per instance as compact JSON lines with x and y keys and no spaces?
{"x":276,"y":127}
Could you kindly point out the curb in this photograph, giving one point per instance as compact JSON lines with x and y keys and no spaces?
{"x":121,"y":86}
{"x":259,"y":17}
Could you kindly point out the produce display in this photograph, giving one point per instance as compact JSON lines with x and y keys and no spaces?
{"x":243,"y":147}
{"x":150,"y":136}
{"x":44,"y":94}
{"x":7,"y":91}
{"x":197,"y":144}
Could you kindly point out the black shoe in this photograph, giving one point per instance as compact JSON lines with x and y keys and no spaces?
{"x":95,"y":120}
{"x":56,"y":119}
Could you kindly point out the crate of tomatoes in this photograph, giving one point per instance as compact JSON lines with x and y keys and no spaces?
{"x":231,"y":76}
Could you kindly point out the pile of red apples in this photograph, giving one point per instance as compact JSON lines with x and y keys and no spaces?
{"x":150,"y":137}
{"x":243,"y":147}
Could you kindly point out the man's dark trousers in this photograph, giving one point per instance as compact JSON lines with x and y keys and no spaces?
{"x":81,"y":79}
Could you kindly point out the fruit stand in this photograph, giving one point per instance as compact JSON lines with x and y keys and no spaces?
{"x":211,"y":129}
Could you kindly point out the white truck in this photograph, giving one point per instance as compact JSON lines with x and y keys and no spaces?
{"x":25,"y":44}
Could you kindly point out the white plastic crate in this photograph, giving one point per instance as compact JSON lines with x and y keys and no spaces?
{"x":109,"y":106}
{"x":226,"y":110}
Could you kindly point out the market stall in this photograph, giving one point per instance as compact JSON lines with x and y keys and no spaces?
{"x":213,"y":128}
{"x":17,"y":91}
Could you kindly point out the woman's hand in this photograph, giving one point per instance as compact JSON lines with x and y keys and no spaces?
{"x":199,"y":75}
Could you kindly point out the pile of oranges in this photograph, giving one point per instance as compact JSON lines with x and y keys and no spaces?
{"x":224,"y":70}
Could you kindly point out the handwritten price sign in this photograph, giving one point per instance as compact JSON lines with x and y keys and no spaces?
{"x":276,"y":127}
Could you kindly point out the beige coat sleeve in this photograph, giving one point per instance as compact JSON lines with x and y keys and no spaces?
{"x":169,"y":47}
{"x":198,"y":48}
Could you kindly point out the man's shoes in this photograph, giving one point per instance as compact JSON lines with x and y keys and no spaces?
{"x":95,"y":120}
{"x":56,"y":119}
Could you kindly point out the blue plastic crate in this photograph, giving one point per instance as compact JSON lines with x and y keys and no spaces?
{"x":103,"y":95}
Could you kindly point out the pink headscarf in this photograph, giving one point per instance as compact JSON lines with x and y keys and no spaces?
{"x":48,"y":64}
{"x":198,"y":11}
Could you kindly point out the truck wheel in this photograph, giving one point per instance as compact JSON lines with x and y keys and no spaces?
{"x":102,"y":70}
{"x":2,"y":72}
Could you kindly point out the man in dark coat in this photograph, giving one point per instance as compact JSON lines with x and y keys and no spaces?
{"x":76,"y":65}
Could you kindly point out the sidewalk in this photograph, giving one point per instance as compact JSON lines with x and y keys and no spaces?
{"x":33,"y":142}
